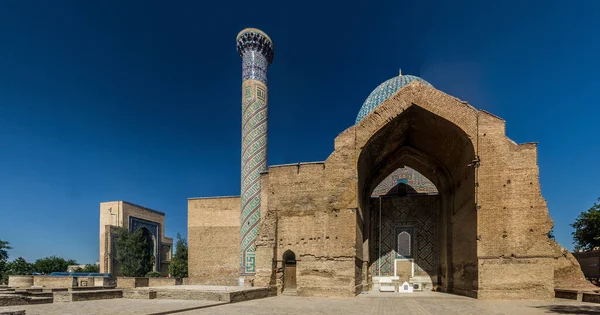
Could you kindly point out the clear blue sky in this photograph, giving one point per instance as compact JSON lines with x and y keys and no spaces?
{"x":140,"y":100}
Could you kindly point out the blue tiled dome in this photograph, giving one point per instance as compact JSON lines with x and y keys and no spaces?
{"x":384,"y":91}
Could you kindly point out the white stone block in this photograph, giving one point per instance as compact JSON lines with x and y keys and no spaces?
{"x":387,"y":288}
{"x":405,"y":288}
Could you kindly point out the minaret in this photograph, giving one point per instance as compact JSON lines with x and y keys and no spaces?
{"x":256,"y":50}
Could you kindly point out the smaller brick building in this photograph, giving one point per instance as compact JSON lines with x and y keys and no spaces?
{"x":114,"y":214}
{"x":590,"y":263}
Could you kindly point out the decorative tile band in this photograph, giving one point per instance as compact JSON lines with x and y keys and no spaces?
{"x":404,"y":181}
{"x":254,"y":67}
{"x":256,"y":50}
{"x":254,"y":161}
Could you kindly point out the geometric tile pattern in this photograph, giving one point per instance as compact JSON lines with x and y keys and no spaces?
{"x":254,"y":162}
{"x":256,"y":50}
{"x":397,"y":217}
{"x":383,"y":92}
{"x":404,"y":181}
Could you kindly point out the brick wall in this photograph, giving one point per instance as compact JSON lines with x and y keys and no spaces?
{"x":214,"y":240}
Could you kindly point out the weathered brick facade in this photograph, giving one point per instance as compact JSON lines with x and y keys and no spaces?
{"x":492,"y":220}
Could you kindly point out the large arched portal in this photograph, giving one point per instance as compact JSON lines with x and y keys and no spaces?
{"x":440,"y":233}
{"x":404,"y":218}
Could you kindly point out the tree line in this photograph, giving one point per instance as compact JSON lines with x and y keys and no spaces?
{"x":133,"y":252}
{"x":46,"y":265}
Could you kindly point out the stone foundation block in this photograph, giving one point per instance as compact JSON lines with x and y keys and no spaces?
{"x":131,"y":282}
{"x":139,"y":294}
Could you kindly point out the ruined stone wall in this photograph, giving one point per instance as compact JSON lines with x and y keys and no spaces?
{"x":54,"y":282}
{"x":568,"y":274}
{"x":512,"y":217}
{"x":20,"y":281}
{"x":214,"y":240}
{"x":322,"y":237}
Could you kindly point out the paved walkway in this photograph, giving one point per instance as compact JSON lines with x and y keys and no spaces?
{"x":212,"y":288}
{"x":405,"y":304}
{"x":114,"y":306}
{"x":395,"y":305}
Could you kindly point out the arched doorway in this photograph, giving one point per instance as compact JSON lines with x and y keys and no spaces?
{"x":405,"y":209}
{"x":444,"y":154}
{"x":289,"y":270}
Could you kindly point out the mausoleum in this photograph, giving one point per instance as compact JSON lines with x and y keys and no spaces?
{"x":115,"y":214}
{"x":424,"y":188}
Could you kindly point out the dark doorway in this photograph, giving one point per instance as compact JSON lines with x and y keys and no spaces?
{"x":289,"y":270}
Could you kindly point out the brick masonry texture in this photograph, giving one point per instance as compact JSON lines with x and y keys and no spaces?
{"x":213,"y":240}
{"x":72,"y":296}
{"x":132,"y":282}
{"x":55,"y":282}
{"x":20,"y":281}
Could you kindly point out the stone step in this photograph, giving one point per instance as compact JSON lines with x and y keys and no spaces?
{"x":139,"y":294}
{"x":40,"y":300}
{"x":290,"y":292}
{"x":73,"y":296}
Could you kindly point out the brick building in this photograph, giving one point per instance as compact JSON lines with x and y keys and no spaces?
{"x":114,"y":214}
{"x":423,"y":188}
{"x":590,"y":263}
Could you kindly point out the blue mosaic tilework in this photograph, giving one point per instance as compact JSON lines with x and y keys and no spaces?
{"x":404,"y":181}
{"x":254,"y":67}
{"x":384,"y":91}
{"x":256,"y":50}
{"x":397,"y":217}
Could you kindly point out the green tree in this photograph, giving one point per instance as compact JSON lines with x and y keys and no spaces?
{"x":153,"y":274}
{"x":20,"y":266}
{"x":17,"y":267}
{"x":51,"y":264}
{"x":133,"y":253}
{"x":4,"y":247}
{"x":178,"y":267}
{"x":587,"y":228}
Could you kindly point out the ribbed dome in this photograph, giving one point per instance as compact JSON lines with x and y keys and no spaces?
{"x":384,"y":91}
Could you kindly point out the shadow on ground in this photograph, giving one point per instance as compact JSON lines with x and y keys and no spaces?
{"x":571,"y":309}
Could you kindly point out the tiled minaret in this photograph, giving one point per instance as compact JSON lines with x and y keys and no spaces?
{"x":256,"y":50}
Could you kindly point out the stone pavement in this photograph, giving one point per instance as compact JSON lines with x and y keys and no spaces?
{"x":406,"y":304}
{"x":365,"y":304}
{"x":114,"y":306}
